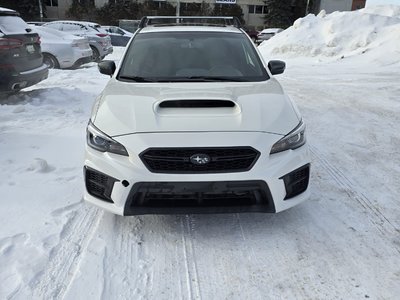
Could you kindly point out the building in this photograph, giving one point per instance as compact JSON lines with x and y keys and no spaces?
{"x":341,"y":5}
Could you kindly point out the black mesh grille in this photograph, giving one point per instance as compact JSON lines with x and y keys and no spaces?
{"x":98,"y":184}
{"x":177,"y":160}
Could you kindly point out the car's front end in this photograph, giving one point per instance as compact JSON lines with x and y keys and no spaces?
{"x":254,"y":149}
{"x":173,"y":134}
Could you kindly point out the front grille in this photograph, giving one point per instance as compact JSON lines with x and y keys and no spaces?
{"x":222,"y":159}
{"x":199,"y":197}
{"x":98,"y":184}
{"x":296,"y":182}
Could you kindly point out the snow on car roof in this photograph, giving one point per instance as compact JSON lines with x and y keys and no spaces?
{"x":6,"y":9}
{"x":8,"y":12}
{"x":271,"y":30}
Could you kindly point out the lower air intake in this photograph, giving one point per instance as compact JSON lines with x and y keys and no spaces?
{"x":296,"y":182}
{"x":99,"y":185}
{"x":199,"y":197}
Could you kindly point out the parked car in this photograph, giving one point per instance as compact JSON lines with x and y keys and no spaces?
{"x":191,"y":121}
{"x":21,"y":60}
{"x":119,"y":36}
{"x":36,"y":23}
{"x":63,"y":50}
{"x":99,"y":41}
{"x":251,"y":32}
{"x":267,"y":33}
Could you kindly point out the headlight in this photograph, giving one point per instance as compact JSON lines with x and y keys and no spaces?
{"x":292,"y":140}
{"x":102,"y":142}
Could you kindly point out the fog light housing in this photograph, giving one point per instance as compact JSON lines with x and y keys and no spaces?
{"x":98,"y":184}
{"x":296,"y":182}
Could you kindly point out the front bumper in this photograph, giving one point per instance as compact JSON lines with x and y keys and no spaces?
{"x":264,"y":183}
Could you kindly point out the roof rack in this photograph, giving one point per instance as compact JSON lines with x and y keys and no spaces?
{"x":189,"y":20}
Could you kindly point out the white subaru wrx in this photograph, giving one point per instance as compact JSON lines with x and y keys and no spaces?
{"x":193,"y":121}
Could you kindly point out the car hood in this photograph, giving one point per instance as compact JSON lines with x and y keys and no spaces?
{"x":127,"y":108}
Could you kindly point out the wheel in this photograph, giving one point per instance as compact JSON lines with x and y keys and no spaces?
{"x":50,"y":61}
{"x":95,"y":54}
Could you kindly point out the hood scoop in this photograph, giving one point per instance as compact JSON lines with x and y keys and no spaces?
{"x":197,"y":107}
{"x":196,"y":103}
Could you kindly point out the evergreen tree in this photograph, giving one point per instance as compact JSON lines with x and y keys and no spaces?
{"x":280,"y":13}
{"x":195,"y":9}
{"x":113,"y":11}
{"x":82,"y":10}
{"x":28,"y":9}
{"x":157,"y":8}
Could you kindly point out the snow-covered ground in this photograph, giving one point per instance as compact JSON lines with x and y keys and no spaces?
{"x":344,"y":243}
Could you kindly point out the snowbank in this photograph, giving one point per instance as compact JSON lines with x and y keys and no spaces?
{"x":374,"y":32}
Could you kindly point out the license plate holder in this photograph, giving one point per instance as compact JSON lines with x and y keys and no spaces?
{"x":30,"y":49}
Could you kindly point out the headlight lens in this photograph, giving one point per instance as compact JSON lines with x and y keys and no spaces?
{"x":295,"y":139}
{"x":102,"y":142}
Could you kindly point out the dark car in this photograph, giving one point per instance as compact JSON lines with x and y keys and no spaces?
{"x":21,"y":60}
{"x":119,"y":37}
{"x":251,"y":32}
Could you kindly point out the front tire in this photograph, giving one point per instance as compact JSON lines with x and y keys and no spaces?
{"x":50,"y":61}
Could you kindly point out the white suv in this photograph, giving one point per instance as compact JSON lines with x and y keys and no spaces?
{"x":193,"y":121}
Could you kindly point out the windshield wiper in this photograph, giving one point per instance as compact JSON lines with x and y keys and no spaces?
{"x":135,"y":78}
{"x":209,"y":78}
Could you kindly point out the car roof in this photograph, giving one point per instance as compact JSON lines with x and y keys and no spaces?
{"x":76,"y":22}
{"x":271,"y":30}
{"x":8,"y":12}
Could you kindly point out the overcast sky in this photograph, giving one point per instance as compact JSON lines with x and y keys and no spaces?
{"x":378,"y":2}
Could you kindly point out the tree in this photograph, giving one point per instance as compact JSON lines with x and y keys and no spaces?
{"x":157,"y":8}
{"x":195,"y":9}
{"x":282,"y":13}
{"x":279,"y":13}
{"x":231,"y":10}
{"x":28,"y":9}
{"x":113,"y":11}
{"x":82,"y":10}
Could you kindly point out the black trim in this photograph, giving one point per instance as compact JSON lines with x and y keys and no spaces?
{"x":296,"y":182}
{"x":196,"y":103}
{"x":199,"y":197}
{"x":189,"y":20}
{"x":98,"y":184}
{"x":184,"y":166}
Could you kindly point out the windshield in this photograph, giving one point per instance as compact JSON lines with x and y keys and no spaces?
{"x":191,"y":56}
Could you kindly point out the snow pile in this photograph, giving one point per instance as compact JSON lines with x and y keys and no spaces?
{"x":373,"y":31}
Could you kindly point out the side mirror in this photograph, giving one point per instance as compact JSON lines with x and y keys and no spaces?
{"x":106,"y":67}
{"x":276,"y":66}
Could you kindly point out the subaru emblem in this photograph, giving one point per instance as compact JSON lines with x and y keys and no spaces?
{"x":200,"y":159}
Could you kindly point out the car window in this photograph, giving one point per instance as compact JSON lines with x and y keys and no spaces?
{"x":12,"y":24}
{"x":56,"y":26}
{"x":94,"y":27}
{"x":192,"y":56}
{"x":72,"y":27}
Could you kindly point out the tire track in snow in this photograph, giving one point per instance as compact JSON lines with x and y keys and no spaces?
{"x":65,"y":257}
{"x":192,"y":277}
{"x":133,"y":277}
{"x":377,"y":217}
